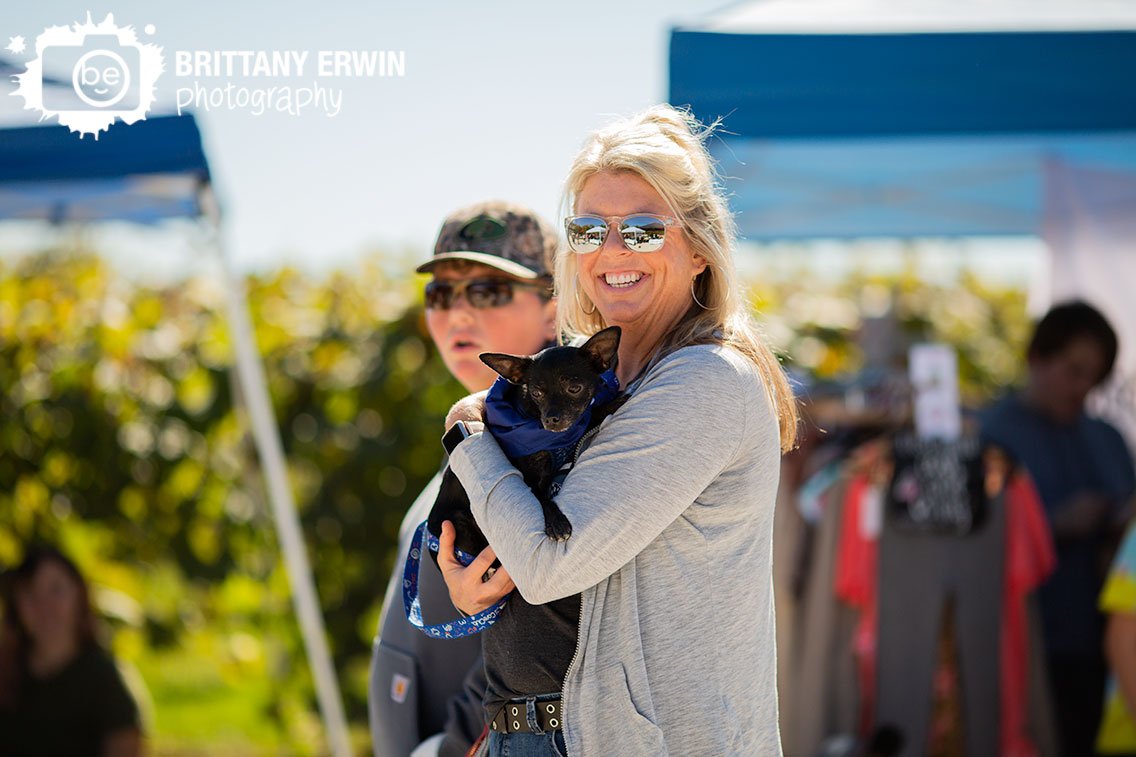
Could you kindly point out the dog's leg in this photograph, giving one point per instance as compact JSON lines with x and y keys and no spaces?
{"x":557,"y":525}
{"x":538,"y":475}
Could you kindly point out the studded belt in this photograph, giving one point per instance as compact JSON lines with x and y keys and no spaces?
{"x":512,"y":718}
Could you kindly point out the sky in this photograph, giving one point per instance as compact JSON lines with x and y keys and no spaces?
{"x":495,"y":100}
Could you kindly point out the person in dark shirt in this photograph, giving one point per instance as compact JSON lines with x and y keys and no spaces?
{"x":60,"y":692}
{"x":1084,"y":473}
{"x":490,"y":291}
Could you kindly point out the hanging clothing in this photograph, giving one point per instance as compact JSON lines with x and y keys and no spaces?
{"x":1012,"y":708}
{"x":855,"y":583}
{"x":918,"y":573}
{"x":826,"y":698}
{"x":1030,"y":559}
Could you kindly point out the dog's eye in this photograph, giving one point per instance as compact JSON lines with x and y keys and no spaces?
{"x":575,"y":388}
{"x":536,"y":392}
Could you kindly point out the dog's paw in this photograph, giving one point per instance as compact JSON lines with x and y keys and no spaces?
{"x":557,"y":526}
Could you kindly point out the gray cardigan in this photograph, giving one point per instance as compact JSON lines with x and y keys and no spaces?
{"x":672,"y":513}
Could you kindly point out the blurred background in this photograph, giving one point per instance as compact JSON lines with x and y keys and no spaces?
{"x":123,"y":436}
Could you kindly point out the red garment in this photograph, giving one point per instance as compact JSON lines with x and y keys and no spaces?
{"x":855,"y":585}
{"x":855,"y":579}
{"x":1030,"y":558}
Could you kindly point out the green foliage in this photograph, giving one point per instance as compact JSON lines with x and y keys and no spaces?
{"x":815,"y":324}
{"x":120,"y":439}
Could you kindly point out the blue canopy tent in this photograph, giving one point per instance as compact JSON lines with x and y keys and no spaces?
{"x":146,"y":173}
{"x":850,"y":118}
{"x":930,"y":118}
{"x":152,"y":171}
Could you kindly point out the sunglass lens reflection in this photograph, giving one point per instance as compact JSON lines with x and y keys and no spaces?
{"x":586,"y":233}
{"x":643,"y":233}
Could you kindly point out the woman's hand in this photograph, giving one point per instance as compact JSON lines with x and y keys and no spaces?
{"x":469,"y":409}
{"x":468,"y":592}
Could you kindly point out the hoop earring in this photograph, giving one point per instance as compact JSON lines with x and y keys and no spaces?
{"x":579,"y":305}
{"x":695,"y":297}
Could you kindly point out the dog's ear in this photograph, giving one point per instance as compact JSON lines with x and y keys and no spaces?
{"x":602,"y":348}
{"x":512,"y":367}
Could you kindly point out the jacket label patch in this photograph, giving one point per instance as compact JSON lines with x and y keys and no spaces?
{"x":400,"y":684}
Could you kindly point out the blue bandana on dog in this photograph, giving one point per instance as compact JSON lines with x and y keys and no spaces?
{"x":520,"y":435}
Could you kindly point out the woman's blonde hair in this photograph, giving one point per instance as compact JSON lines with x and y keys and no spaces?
{"x":666,"y":148}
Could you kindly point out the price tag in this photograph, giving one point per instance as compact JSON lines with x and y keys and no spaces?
{"x":933,"y":369}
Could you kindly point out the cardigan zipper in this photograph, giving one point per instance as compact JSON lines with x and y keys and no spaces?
{"x":567,"y":673}
{"x":583,"y":439}
{"x":579,"y":620}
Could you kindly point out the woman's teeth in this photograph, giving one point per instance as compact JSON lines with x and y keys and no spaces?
{"x":621,"y":280}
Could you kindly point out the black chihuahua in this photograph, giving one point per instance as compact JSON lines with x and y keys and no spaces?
{"x":556,"y":386}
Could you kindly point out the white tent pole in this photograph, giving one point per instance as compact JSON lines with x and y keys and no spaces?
{"x":250,"y":373}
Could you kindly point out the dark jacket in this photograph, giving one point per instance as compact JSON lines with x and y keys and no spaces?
{"x":422,"y":686}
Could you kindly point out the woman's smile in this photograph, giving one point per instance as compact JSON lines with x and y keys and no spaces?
{"x":623,"y":279}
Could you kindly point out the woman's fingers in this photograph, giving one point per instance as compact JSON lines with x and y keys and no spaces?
{"x":499,"y":584}
{"x":446,"y":559}
{"x":483,"y":561}
{"x":467,"y":591}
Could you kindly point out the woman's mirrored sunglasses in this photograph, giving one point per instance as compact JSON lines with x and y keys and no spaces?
{"x":642,"y":232}
{"x":479,"y":293}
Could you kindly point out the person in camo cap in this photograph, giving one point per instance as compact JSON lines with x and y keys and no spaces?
{"x":503,"y":236}
{"x":490,"y":291}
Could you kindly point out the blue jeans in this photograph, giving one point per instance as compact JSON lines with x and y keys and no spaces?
{"x":538,"y":744}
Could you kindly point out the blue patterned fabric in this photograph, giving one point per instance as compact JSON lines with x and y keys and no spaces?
{"x":519,"y":434}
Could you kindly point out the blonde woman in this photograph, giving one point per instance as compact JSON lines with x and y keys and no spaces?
{"x":663,"y":637}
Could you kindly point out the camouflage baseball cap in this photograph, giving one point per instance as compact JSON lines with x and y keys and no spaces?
{"x":510,"y":238}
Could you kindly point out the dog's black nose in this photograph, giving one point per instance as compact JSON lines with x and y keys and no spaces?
{"x":552,"y":420}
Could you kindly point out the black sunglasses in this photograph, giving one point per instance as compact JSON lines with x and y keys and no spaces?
{"x":479,"y":293}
